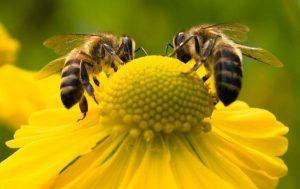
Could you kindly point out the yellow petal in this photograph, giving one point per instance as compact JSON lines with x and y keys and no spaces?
{"x":253,"y":163}
{"x":261,"y":179}
{"x":188,"y":169}
{"x":112,"y":172}
{"x":44,"y":157}
{"x":22,"y":95}
{"x":220,"y":165}
{"x":248,"y":157}
{"x":155,"y":169}
{"x":83,"y":172}
{"x":273,"y":146}
{"x":28,"y":163}
{"x":44,"y":124}
{"x":237,"y":105}
{"x":252,"y":127}
{"x":8,"y":47}
{"x":249,"y":122}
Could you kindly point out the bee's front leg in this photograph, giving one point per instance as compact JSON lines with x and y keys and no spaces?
{"x":114,"y":66}
{"x":108,"y":49}
{"x":182,"y":44}
{"x":96,"y":81}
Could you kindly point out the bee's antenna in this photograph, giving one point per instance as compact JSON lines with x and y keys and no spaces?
{"x":142,"y":49}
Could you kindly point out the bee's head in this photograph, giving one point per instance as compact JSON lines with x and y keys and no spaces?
{"x":183,"y":54}
{"x":126,"y":49}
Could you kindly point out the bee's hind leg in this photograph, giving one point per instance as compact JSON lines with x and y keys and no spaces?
{"x":213,"y":95}
{"x":86,"y":81}
{"x":83,"y":105}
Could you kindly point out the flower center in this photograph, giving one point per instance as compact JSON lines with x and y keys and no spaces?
{"x":151,"y":95}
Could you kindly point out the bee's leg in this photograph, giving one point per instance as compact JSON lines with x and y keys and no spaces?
{"x":204,"y":54}
{"x":207,"y":49}
{"x":84,"y":76}
{"x":83,"y":105}
{"x":206,"y":77}
{"x":195,"y":67}
{"x":212,"y":94}
{"x":114,"y":66}
{"x":208,"y":72}
{"x":182,"y":45}
{"x":96,"y":81}
{"x":142,"y":49}
{"x":112,"y":53}
{"x":167,"y":48}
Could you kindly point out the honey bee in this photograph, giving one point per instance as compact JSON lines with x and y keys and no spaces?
{"x":85,"y":55}
{"x":216,"y":47}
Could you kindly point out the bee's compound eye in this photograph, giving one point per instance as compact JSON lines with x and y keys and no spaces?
{"x":180,"y":37}
{"x":126,"y":43}
{"x":126,"y":49}
{"x":126,"y":40}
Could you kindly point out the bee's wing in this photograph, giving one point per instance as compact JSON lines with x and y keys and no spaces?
{"x":235,"y":31}
{"x":260,"y":55}
{"x":63,"y":44}
{"x":51,"y":68}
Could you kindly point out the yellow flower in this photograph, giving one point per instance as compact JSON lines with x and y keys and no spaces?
{"x":154,"y":128}
{"x":21,"y":94}
{"x":8,"y":47}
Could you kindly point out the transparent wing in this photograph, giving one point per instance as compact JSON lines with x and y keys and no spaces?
{"x":235,"y":31}
{"x":51,"y":68}
{"x":63,"y":44}
{"x":260,"y":55}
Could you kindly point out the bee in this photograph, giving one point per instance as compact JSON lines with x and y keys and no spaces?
{"x":216,"y":47}
{"x":85,"y":55}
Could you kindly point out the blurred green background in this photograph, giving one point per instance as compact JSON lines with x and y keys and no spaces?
{"x":274,"y":24}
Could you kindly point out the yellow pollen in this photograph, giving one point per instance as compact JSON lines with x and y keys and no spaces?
{"x":151,"y":95}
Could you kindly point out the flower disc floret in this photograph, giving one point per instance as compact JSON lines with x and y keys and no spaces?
{"x":152,"y":94}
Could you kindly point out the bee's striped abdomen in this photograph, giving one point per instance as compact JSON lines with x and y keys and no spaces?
{"x":227,"y":74}
{"x":71,"y":87}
